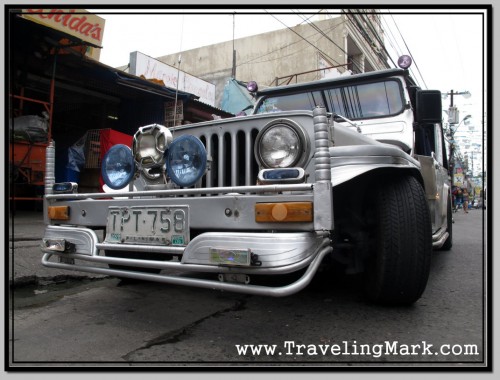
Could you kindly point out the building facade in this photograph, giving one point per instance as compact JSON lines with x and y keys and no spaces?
{"x":333,"y":45}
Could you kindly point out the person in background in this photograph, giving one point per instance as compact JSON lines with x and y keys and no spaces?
{"x":465,"y":203}
{"x":458,"y":199}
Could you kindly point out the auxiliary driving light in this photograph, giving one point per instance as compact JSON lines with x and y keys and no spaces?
{"x":58,"y":245}
{"x":118,"y":167}
{"x":186,"y":160}
{"x":150,"y":144}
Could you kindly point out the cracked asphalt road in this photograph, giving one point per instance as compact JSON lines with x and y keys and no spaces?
{"x":104,"y":321}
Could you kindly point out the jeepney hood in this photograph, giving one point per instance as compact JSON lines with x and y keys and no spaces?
{"x":342,"y":135}
{"x":354,"y":153}
{"x":396,"y":131}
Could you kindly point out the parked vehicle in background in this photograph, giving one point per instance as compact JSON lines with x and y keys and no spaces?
{"x":349,"y":172}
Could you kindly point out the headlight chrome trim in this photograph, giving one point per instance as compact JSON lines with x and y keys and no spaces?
{"x":302,"y":151}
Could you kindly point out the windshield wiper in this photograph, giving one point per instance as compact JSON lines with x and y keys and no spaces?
{"x":358,"y":128}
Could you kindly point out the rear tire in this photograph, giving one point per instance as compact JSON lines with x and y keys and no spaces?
{"x":398,"y":267}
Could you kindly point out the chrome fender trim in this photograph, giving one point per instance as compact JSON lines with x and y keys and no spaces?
{"x":273,"y":249}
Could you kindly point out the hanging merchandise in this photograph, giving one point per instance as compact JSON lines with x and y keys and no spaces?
{"x":31,"y":128}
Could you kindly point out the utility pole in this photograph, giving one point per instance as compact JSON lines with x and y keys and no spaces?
{"x":453,"y":119}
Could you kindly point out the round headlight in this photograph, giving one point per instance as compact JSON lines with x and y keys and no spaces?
{"x":118,"y":167}
{"x":150,"y":144}
{"x":281,"y":144}
{"x":186,"y":160}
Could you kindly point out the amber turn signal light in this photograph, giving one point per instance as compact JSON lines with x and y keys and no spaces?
{"x":58,"y":212}
{"x":284,"y":212}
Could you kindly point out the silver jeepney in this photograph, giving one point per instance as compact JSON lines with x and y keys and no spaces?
{"x":242,"y":219}
{"x":236,"y":248}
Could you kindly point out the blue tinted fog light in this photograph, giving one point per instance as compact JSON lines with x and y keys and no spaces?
{"x":65,"y":188}
{"x":285,"y":175}
{"x":118,"y":167}
{"x":186,"y":160}
{"x":281,"y":174}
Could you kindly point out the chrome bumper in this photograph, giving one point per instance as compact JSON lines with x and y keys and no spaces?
{"x":278,"y":253}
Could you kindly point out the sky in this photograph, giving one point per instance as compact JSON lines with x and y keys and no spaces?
{"x":446,"y":46}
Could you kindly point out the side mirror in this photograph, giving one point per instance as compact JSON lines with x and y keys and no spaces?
{"x":428,"y":106}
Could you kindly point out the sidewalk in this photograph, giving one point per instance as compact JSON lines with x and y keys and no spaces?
{"x":26,"y":230}
{"x":27,"y":225}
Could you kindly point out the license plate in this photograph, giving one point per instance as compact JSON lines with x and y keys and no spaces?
{"x":230,"y":256}
{"x":149,"y":225}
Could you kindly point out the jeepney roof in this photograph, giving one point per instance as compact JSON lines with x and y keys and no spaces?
{"x":335,"y":81}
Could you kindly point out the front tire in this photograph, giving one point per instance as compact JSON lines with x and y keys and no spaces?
{"x":398,"y":268}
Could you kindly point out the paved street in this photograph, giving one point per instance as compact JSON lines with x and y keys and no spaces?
{"x":108,"y":321}
{"x":26,"y":230}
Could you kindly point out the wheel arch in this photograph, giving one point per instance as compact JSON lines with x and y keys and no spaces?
{"x":367,"y":174}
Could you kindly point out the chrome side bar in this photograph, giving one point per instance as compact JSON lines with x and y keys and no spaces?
{"x":142,"y":248}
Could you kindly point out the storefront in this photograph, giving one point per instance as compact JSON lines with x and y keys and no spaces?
{"x":57,"y":92}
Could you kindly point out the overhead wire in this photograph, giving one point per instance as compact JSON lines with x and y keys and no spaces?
{"x":288,"y":44}
{"x":356,"y":23}
{"x":408,"y":49}
{"x":457,"y":47}
{"x":393,"y":41}
{"x":390,"y":37}
{"x":377,"y":36}
{"x":322,"y":33}
{"x":311,"y":16}
{"x":317,"y":28}
{"x":326,"y":56}
{"x":178,"y":74}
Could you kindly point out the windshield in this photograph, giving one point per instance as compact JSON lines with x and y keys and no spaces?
{"x":359,"y":101}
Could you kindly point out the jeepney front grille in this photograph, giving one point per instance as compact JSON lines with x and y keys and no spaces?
{"x":231,"y":158}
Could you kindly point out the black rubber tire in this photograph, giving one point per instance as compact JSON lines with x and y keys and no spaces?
{"x":449,"y":241}
{"x":398,"y":267}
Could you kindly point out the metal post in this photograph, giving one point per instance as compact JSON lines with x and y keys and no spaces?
{"x":323,"y":199}
{"x":321,"y":140}
{"x":50,"y":175}
{"x":50,"y":169}
{"x":51,"y":98}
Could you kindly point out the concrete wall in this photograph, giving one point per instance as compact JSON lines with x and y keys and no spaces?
{"x":264,"y":57}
